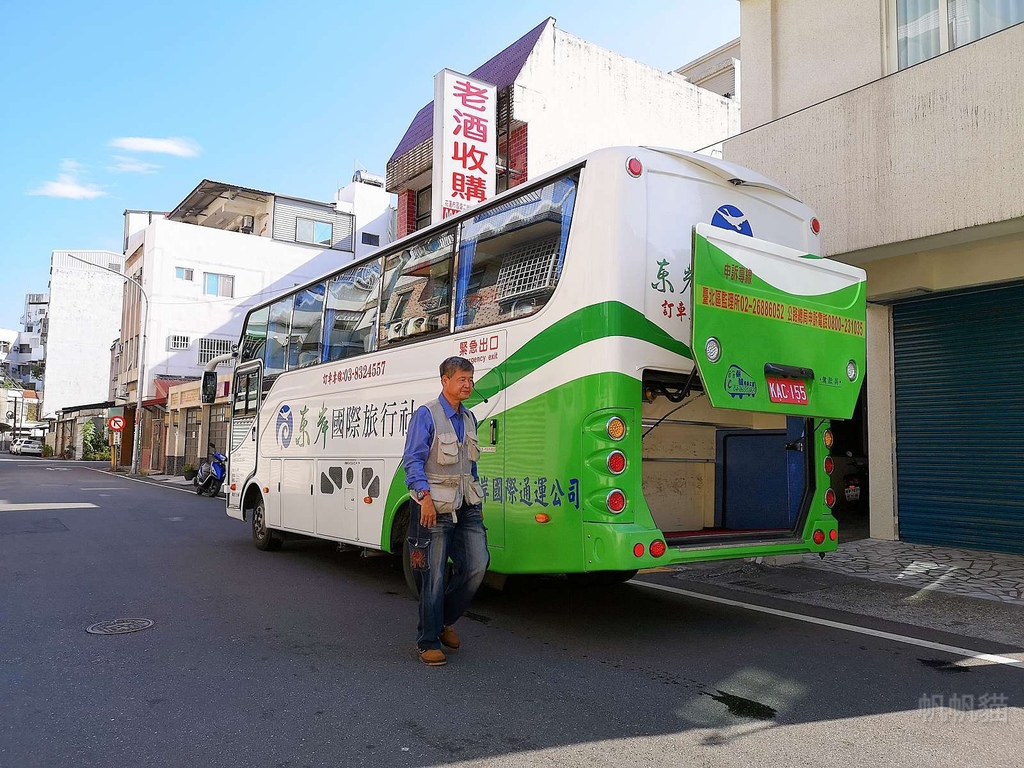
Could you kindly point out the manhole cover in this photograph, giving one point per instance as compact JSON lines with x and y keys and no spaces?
{"x":119,"y":626}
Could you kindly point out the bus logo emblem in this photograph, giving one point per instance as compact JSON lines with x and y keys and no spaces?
{"x":283,"y":429}
{"x":732,"y":218}
{"x":738,"y":383}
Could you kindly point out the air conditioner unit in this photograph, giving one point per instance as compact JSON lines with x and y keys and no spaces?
{"x":248,"y":223}
{"x":524,"y":307}
{"x":396,"y":330}
{"x":417,"y":325}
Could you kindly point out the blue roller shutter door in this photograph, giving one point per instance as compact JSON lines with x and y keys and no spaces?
{"x":959,"y":381}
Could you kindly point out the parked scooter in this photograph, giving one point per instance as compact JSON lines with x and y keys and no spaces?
{"x":855,"y":482}
{"x":211,"y":474}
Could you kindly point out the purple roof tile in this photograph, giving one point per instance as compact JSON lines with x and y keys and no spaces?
{"x":501,"y":70}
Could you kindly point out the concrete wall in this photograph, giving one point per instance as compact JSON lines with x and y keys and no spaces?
{"x":578,"y":97}
{"x":85,"y":317}
{"x":929,"y":151}
{"x":799,"y":52}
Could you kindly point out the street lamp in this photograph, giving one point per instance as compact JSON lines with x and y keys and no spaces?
{"x":137,"y":437}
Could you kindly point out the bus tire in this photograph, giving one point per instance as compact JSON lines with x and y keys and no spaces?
{"x":601,"y":578}
{"x":264,"y":539}
{"x":410,"y":577}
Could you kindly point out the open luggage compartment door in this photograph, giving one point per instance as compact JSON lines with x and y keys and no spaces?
{"x":776,"y":330}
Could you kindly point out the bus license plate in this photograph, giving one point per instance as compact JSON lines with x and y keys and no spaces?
{"x":792,"y":391}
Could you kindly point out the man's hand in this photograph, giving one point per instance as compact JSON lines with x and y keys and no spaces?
{"x":428,"y":515}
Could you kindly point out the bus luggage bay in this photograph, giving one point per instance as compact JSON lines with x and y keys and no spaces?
{"x":658,"y":354}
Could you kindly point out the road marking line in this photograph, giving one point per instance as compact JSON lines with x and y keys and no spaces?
{"x":118,"y":488}
{"x":989,"y":657}
{"x":188,"y":489}
{"x":30,"y":507}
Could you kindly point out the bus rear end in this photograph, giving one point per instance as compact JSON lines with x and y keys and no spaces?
{"x":767,"y":346}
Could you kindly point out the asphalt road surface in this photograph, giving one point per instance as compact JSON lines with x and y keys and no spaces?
{"x":305,"y":657}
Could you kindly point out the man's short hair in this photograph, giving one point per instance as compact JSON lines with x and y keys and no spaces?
{"x":453,"y":364}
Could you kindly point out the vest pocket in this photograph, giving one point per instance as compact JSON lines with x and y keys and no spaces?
{"x":447,"y":449}
{"x":443,"y":497}
{"x":474,"y":492}
{"x":472,"y":448}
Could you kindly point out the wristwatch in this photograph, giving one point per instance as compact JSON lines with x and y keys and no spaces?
{"x":420,"y":495}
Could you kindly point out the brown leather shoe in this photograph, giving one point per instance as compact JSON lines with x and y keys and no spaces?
{"x":432,"y":658}
{"x":449,"y":639}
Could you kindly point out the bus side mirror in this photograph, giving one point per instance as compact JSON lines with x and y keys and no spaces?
{"x":208,"y":391}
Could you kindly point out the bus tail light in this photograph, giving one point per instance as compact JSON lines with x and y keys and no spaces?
{"x":616,"y":501}
{"x":616,"y":462}
{"x":833,"y":534}
{"x":657,"y":548}
{"x":634,"y":167}
{"x":826,"y":437}
{"x":616,"y":428}
{"x":830,"y":498}
{"x":815,"y":225}
{"x":829,"y":465}
{"x":819,"y":537}
{"x":638,"y":549}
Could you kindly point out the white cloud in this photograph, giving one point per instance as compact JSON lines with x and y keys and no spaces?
{"x":131,"y":165}
{"x":179,"y":147}
{"x":68,"y":186}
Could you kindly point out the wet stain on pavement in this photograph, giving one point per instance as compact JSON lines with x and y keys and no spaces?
{"x":742,"y":707}
{"x":943,"y":665}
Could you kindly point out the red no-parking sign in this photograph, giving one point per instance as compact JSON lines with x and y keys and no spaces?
{"x":116,"y":423}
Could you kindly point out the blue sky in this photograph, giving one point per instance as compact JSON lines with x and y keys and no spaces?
{"x":112,"y":106}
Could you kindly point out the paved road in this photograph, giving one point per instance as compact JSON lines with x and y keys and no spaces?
{"x":305,"y":657}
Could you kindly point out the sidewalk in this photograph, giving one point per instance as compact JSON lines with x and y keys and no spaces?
{"x":965,"y":572}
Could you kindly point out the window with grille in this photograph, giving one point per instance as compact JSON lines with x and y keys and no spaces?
{"x":528,"y":269}
{"x":179,"y":342}
{"x":211,"y":348}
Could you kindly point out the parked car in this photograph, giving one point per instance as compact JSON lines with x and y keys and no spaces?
{"x":31,"y":448}
{"x":15,"y":446}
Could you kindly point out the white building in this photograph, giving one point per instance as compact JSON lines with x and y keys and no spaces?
{"x":84,"y":317}
{"x":7,"y":340}
{"x":223,"y":249}
{"x":26,"y":360}
{"x":900,"y":123}
{"x":559,"y":97}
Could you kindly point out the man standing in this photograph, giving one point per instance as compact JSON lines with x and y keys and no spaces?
{"x":446,"y":520}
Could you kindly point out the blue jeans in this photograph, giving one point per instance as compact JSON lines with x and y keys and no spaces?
{"x":465,"y":542}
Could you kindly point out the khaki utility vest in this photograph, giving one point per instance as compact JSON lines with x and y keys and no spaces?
{"x":449,"y":464}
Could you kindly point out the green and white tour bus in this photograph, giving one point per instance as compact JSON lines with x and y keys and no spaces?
{"x":658,"y":353}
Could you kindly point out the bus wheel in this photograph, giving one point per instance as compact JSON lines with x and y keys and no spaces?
{"x":264,"y":540}
{"x":601,"y":578}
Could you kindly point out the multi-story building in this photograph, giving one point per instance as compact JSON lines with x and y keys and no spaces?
{"x":84,"y":316}
{"x":900,"y":122}
{"x":221,"y":250}
{"x":26,"y":360}
{"x":559,"y":97}
{"x":8,"y":338}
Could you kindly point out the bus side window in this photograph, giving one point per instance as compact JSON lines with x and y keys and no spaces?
{"x":254,"y":337}
{"x":278,"y":329}
{"x":351,"y":307}
{"x":304,"y":335}
{"x":416,"y":297}
{"x":510,"y":256}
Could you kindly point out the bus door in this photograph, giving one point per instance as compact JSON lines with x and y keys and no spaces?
{"x":489,"y":409}
{"x":245,"y":405}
